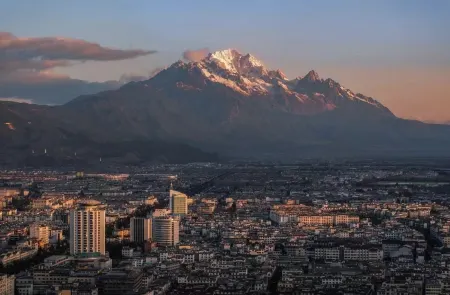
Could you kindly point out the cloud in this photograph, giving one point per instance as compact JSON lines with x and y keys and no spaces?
{"x":7,"y":67}
{"x":16,"y":99}
{"x":27,"y":64}
{"x":195,"y":55}
{"x":34,"y":58}
{"x":126,"y":78}
{"x":30,"y":77}
{"x":56,"y":48}
{"x":54,"y":91}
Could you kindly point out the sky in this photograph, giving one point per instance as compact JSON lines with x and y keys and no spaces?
{"x":395,"y":51}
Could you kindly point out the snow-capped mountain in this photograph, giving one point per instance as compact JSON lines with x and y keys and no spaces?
{"x":248,"y":76}
{"x":228,"y":103}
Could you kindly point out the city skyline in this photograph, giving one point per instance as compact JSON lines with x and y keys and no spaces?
{"x":358,"y":227}
{"x":396,"y":52}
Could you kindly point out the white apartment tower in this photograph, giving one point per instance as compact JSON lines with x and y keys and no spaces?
{"x":140,"y":229}
{"x":87,"y":228}
{"x":178,"y":203}
{"x":166,"y":230}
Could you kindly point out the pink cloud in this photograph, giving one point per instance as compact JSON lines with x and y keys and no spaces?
{"x":32,"y":59}
{"x":27,"y":67}
{"x":31,"y":77}
{"x":56,"y":48}
{"x":125,"y":78}
{"x":195,"y":55}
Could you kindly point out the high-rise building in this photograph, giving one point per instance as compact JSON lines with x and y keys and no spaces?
{"x":87,"y":228}
{"x":7,"y":284}
{"x":178,"y":203}
{"x":166,"y":230}
{"x":140,"y":229}
{"x":40,"y":232}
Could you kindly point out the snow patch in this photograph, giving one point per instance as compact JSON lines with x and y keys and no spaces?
{"x":226,"y":59}
{"x":218,"y":79}
{"x":254,"y":62}
{"x":301,"y":97}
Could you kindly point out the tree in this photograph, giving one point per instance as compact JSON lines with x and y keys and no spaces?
{"x":21,"y":204}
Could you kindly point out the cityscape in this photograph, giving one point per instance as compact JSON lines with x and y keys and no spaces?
{"x":224,"y":147}
{"x":244,"y":228}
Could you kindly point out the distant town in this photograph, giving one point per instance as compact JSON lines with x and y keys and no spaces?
{"x":347,"y":228}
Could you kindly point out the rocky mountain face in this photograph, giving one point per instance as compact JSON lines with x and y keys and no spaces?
{"x":227,"y":103}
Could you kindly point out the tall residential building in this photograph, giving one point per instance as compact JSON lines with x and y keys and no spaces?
{"x":166,"y":230}
{"x":7,"y":284}
{"x":40,"y":232}
{"x":87,"y":228}
{"x":178,"y":203}
{"x":140,"y":229}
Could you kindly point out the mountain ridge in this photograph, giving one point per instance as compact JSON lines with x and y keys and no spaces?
{"x":232,"y":104}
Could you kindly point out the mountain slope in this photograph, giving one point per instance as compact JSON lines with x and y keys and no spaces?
{"x":33,"y":135}
{"x":232,"y":104}
{"x":218,"y":95}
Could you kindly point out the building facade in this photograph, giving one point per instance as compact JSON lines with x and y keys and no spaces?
{"x":7,"y":284}
{"x":40,"y":232}
{"x":87,"y":228}
{"x":166,"y":230}
{"x":140,"y":229}
{"x":178,"y":203}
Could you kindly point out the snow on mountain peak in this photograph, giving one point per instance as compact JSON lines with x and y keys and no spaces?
{"x":253,"y":61}
{"x":247,"y":75}
{"x":235,"y":62}
{"x":226,"y":58}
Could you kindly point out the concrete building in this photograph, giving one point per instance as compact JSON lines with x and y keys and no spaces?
{"x":161,"y":212}
{"x":121,"y":281}
{"x":140,"y":229}
{"x":42,"y":203}
{"x":178,"y":203}
{"x":87,"y":228}
{"x":40,"y":232}
{"x":9,"y":192}
{"x":166,"y":230}
{"x":24,"y":284}
{"x":7,"y":284}
{"x":16,"y":255}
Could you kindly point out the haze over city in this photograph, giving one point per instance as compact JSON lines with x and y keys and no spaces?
{"x":395,"y":51}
